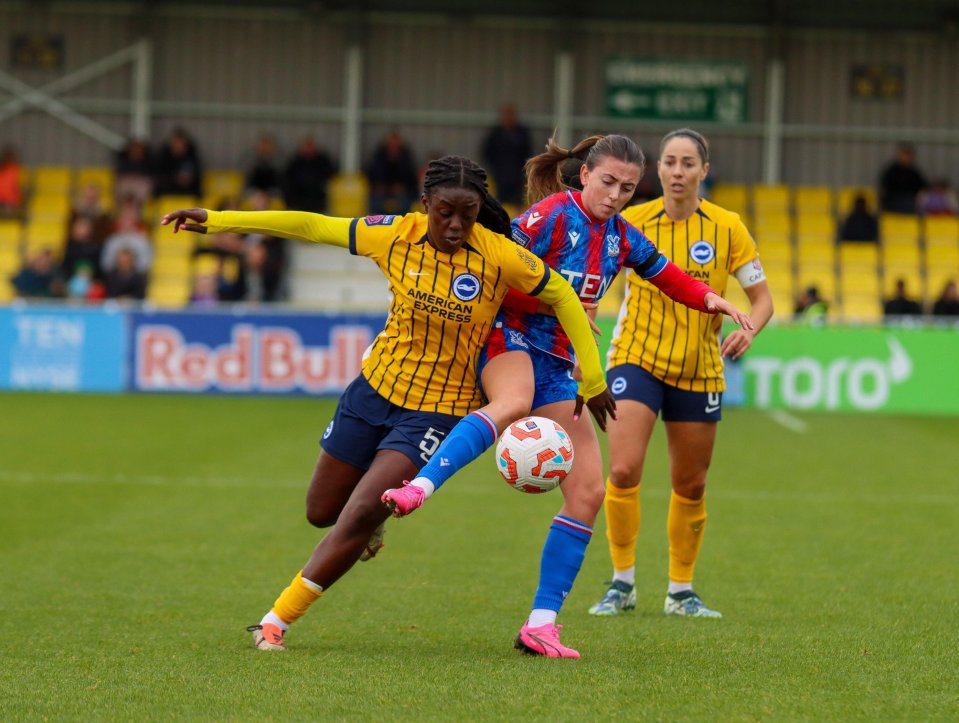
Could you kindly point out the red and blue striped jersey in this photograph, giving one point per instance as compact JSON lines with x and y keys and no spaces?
{"x":586,"y":252}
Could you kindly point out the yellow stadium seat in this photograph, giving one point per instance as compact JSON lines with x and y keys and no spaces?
{"x":773,"y":222}
{"x":11,"y":232}
{"x":169,"y":294}
{"x":915,"y":284}
{"x":812,"y":226}
{"x":49,"y":207}
{"x":814,"y":200}
{"x":735,"y":295}
{"x":941,"y":231}
{"x":731,"y":196}
{"x":777,"y":254}
{"x":52,"y":179}
{"x":349,"y":195}
{"x":770,"y":199}
{"x":859,"y":257}
{"x":9,"y":262}
{"x":861,"y":309}
{"x":816,"y":255}
{"x":102,"y":176}
{"x":177,"y":266}
{"x":846,"y":196}
{"x":7,"y":292}
{"x":220,"y":183}
{"x":44,"y":234}
{"x":896,"y":228}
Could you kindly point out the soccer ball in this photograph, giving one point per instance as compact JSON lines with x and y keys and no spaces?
{"x":534,"y":455}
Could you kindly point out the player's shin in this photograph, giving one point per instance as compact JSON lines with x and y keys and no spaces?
{"x":622,"y":525}
{"x":685,"y":526}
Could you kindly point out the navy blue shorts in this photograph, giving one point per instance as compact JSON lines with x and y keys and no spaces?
{"x":365,"y":423}
{"x":631,"y":381}
{"x":553,"y":375}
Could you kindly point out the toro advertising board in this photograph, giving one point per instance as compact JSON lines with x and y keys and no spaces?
{"x":250,"y":353}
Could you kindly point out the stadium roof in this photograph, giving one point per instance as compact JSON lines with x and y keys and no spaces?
{"x":887,"y":15}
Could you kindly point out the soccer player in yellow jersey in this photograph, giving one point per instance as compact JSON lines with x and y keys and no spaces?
{"x":449,"y":270}
{"x":666,"y":358}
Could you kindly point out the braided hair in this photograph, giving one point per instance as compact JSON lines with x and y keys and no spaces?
{"x":557,"y":168}
{"x":460,"y":172}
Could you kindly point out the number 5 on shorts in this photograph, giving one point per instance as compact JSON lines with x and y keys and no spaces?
{"x":429,"y":444}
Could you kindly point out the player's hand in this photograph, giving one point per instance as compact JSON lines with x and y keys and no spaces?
{"x":717,"y":303}
{"x":600,"y":406}
{"x":189,"y":219}
{"x":737,"y":343}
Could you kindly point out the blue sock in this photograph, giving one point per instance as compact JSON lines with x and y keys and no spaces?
{"x":563,"y":555}
{"x":472,"y":435}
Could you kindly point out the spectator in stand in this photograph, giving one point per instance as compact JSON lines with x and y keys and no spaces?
{"x":938,"y":200}
{"x":11,"y":192}
{"x":392,"y":176}
{"x":861,"y":224}
{"x":179,"y":170}
{"x":91,"y":205}
{"x":128,"y":234}
{"x":264,"y":260}
{"x":811,"y":308}
{"x":307,"y":176}
{"x":124,"y":280}
{"x":264,"y":175}
{"x":135,"y":171}
{"x":38,"y":278}
{"x":505,"y":150}
{"x":901,"y":182}
{"x":901,"y":304}
{"x":948,"y":302}
{"x":81,"y":248}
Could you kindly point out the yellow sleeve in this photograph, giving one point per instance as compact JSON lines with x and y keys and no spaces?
{"x":743,"y":248}
{"x":299,"y":225}
{"x":569,"y":310}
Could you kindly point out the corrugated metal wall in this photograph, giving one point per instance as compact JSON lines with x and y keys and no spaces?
{"x":228,"y":75}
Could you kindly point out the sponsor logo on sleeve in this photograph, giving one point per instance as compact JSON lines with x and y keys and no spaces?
{"x":521,"y":237}
{"x":379,"y":220}
{"x":533,"y":218}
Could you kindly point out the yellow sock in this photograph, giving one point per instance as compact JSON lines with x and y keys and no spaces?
{"x":295,"y":600}
{"x":684,"y":527}
{"x":622,"y":524}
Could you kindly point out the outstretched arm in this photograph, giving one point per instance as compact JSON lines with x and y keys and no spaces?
{"x":681,"y":287}
{"x":299,"y":225}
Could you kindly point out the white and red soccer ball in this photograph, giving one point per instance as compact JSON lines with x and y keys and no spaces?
{"x":534,"y":455}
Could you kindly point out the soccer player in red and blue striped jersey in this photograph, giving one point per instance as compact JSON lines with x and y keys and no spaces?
{"x":527,"y":363}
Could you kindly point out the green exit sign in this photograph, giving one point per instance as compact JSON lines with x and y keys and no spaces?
{"x":676,"y":90}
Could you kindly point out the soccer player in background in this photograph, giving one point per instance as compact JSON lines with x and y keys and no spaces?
{"x":666,"y":358}
{"x":449,"y":271}
{"x":528,"y":362}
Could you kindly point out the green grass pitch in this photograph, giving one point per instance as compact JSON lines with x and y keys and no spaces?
{"x":139,"y":535}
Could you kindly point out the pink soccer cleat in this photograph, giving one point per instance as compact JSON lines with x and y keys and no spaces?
{"x":403,"y":500}
{"x":544,"y":641}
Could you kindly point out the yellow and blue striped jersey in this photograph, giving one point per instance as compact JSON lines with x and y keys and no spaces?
{"x":677,"y":344}
{"x":443,"y":304}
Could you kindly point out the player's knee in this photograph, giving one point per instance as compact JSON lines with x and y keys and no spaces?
{"x":365,"y":517}
{"x":692,"y":488}
{"x":625,"y":473}
{"x":320,"y":516}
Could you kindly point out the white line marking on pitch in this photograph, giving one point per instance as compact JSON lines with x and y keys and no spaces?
{"x":793,"y":424}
